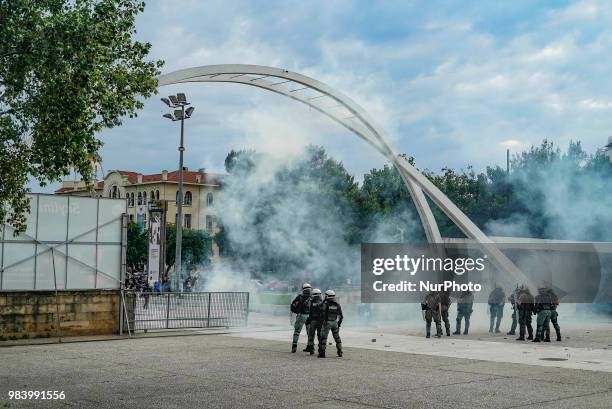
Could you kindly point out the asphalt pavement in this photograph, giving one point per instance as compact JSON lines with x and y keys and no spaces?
{"x":245,"y":370}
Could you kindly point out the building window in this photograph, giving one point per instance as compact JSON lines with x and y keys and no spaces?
{"x":131,"y":217}
{"x":131,"y":199}
{"x":187,"y":198}
{"x":209,"y":223}
{"x":114,"y":192}
{"x":144,"y":198}
{"x":157,"y":195}
{"x":209,"y":199}
{"x":187,"y":221}
{"x":139,"y":198}
{"x":152,"y":197}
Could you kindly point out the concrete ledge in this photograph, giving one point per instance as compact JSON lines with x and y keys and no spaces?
{"x":34,"y":314}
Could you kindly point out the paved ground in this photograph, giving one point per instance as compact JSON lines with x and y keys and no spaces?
{"x":230,"y":371}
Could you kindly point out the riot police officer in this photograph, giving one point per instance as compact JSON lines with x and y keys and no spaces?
{"x":512,"y":300}
{"x":464,"y":311}
{"x":543,"y":307}
{"x":524,"y":306}
{"x":301,"y":307}
{"x":497,"y":298}
{"x":332,"y":320}
{"x":315,"y":320}
{"x":553,"y":317}
{"x":445,"y":302}
{"x":432,"y":307}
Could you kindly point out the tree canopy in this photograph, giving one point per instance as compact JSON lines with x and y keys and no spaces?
{"x":548,"y":193}
{"x":68,"y":69}
{"x":196,"y":247}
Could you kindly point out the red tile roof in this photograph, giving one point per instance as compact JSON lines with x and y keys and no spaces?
{"x":189,"y":177}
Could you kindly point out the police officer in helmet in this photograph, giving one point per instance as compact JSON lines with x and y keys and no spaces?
{"x":332,"y":320}
{"x":315,"y":320}
{"x":301,"y":307}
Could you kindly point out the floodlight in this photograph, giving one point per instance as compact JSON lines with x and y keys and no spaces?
{"x":166,"y":101}
{"x":169,"y":116}
{"x":178,"y":114}
{"x":181,"y":98}
{"x":173,"y":99}
{"x":189,"y":111}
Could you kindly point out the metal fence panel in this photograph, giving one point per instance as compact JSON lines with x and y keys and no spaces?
{"x":154,"y":311}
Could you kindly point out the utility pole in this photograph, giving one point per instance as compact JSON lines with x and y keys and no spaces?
{"x":179,"y":101}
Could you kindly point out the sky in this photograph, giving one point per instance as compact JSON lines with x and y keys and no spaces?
{"x":454,"y":83}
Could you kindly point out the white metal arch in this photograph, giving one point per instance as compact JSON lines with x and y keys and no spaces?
{"x":349,"y":114}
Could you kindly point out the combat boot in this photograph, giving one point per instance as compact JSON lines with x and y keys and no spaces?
{"x":547,"y":339}
{"x":558,"y":338}
{"x":510,"y":333}
{"x":293,"y":348}
{"x":521,"y":338}
{"x":321,"y":354}
{"x":339,"y":352}
{"x":458,"y":330}
{"x":308,"y":349}
{"x":428,"y":335}
{"x":467,"y":327}
{"x":536,"y":339}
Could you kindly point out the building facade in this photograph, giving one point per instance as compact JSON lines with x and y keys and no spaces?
{"x":200,"y":189}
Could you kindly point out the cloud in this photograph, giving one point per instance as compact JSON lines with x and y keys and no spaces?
{"x":450,"y":83}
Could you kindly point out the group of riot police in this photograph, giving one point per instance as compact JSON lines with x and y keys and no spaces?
{"x":436,"y":304}
{"x":543,"y":305}
{"x":319,"y":315}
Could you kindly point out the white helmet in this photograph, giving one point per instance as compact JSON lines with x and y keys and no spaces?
{"x":330,"y":294}
{"x":316,"y":291}
{"x":305,"y":286}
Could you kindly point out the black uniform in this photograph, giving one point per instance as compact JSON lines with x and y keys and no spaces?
{"x":431,"y":306}
{"x":315,"y":322}
{"x":332,"y":320}
{"x":524,"y":306}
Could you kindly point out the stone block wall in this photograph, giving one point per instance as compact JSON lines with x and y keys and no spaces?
{"x":33,"y":314}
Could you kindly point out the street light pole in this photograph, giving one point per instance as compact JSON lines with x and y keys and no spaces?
{"x":180,"y":100}
{"x":179,"y":210}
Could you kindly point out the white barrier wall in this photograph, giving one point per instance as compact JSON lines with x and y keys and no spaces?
{"x":77,"y":238}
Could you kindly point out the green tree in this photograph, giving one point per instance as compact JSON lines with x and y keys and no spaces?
{"x":196,"y":248}
{"x":137,"y":245}
{"x":68,"y":69}
{"x":386,"y":207}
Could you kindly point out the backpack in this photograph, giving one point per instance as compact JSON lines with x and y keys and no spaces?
{"x":296,"y":304}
